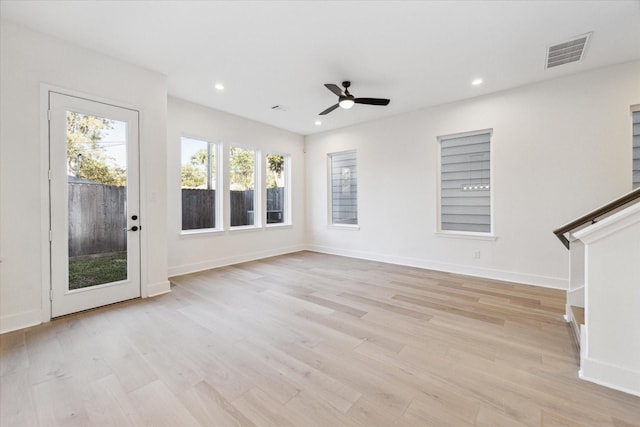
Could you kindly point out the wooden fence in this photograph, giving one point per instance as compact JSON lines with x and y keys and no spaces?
{"x":97,"y":219}
{"x":198,"y":207}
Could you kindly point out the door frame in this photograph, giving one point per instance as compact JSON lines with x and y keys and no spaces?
{"x":45,"y":198}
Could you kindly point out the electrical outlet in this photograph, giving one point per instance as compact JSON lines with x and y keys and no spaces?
{"x":476,"y":254}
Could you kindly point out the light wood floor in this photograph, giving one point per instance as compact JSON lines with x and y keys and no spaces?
{"x":310,"y":340}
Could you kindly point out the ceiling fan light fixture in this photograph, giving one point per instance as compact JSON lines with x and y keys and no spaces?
{"x":346,"y":103}
{"x":346,"y":100}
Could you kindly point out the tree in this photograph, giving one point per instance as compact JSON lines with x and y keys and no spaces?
{"x":275,"y":163}
{"x":241,"y":163}
{"x":85,"y":157}
{"x":194,"y":173}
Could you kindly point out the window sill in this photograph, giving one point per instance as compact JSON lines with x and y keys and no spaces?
{"x":199,"y":232}
{"x":351,"y":227}
{"x":466,"y":235}
{"x":244,"y":228}
{"x":273,"y":226}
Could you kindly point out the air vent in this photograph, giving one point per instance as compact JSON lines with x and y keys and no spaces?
{"x":569,"y":51}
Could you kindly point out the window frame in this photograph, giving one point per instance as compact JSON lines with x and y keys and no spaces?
{"x":478,"y":235}
{"x":257,"y":188}
{"x":635,"y":109}
{"x":216,"y":149}
{"x":330,"y":218}
{"x":286,"y":213}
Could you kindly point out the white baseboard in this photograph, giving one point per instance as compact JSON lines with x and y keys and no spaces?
{"x":611,"y":376}
{"x":13,"y":322}
{"x":230,"y":260}
{"x":155,"y":289}
{"x":508,"y":276}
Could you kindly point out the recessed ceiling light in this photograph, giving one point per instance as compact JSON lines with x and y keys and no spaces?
{"x":476,"y":82}
{"x":219,"y":86}
{"x":318,"y":123}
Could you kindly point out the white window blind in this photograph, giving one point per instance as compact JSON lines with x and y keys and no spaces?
{"x":344,"y":188}
{"x":636,"y":149}
{"x":465,"y":183}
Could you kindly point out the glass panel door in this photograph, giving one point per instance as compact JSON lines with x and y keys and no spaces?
{"x":95,"y":220}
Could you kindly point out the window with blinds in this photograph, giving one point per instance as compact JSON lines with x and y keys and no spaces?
{"x":465,"y":182}
{"x":636,"y":149}
{"x":344,"y":188}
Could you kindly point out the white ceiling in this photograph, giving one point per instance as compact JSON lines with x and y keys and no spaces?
{"x":266,"y":53}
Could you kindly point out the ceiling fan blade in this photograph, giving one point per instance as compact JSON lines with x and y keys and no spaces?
{"x":335,"y":89}
{"x":330,"y":109}
{"x":372,"y":101}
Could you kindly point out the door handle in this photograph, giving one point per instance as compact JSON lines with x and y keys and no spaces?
{"x":134,"y":228}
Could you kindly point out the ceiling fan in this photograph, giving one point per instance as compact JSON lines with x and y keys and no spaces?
{"x":346,"y":100}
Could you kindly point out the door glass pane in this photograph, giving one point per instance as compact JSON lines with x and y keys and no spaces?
{"x":97,"y":200}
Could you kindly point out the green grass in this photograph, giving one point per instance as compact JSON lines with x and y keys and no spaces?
{"x":97,"y":271}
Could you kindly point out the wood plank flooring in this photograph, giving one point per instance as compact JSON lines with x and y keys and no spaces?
{"x":309,"y":339}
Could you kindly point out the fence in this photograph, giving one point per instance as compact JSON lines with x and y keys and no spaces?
{"x":198,"y":207}
{"x":97,"y":219}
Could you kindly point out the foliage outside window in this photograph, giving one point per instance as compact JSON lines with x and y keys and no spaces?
{"x":87,"y":150}
{"x":465,"y":183}
{"x":276,"y":176}
{"x":343,"y":183}
{"x":199,"y":164}
{"x":242,"y":177}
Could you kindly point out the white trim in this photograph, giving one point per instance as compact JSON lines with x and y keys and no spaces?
{"x":25,"y":319}
{"x":350,"y":227}
{"x":466,"y":235}
{"x":160,"y":288}
{"x":200,"y":232}
{"x":245,"y":228}
{"x":45,"y":223}
{"x":612,"y":376}
{"x":237,"y":259}
{"x":278,"y":226}
{"x":45,"y":220}
{"x":487,"y":273}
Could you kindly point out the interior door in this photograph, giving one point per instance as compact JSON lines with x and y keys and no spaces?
{"x":94,"y":204}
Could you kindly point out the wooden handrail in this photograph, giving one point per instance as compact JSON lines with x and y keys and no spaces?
{"x":592,"y":217}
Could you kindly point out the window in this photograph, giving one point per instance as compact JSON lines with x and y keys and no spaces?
{"x":636,"y":149}
{"x":199,"y":168}
{"x":344,"y":188}
{"x":465,"y":182}
{"x":242,"y":179}
{"x":277,"y":188}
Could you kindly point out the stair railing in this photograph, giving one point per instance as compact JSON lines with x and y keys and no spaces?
{"x":597,"y":214}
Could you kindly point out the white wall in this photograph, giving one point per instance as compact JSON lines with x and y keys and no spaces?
{"x":194,"y":252}
{"x":559,"y":148}
{"x":28,"y":61}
